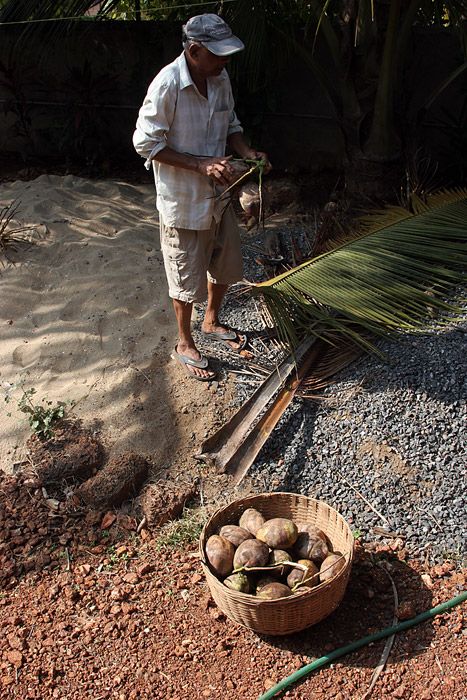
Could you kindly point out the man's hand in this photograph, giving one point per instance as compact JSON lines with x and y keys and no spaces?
{"x":218,"y":169}
{"x":260,"y":155}
{"x":238,"y":144}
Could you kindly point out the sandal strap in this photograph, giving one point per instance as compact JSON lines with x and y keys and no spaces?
{"x":224,"y":335}
{"x":202,"y":363}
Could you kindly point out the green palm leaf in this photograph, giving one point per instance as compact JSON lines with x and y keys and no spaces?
{"x":399,"y":268}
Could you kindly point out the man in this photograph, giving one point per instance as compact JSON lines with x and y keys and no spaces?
{"x":184,"y":126}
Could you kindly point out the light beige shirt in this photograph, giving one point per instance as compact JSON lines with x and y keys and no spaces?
{"x":175,"y":114}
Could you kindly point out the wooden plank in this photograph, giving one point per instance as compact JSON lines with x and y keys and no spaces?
{"x":240,"y":462}
{"x":219,"y":449}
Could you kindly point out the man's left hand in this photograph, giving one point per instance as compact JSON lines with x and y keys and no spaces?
{"x":260,"y":155}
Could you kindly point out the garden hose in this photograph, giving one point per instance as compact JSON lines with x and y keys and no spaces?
{"x":323,"y":660}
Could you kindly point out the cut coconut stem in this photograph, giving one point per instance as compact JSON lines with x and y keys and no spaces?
{"x":256,"y":165}
{"x":299,"y":584}
{"x":250,"y":569}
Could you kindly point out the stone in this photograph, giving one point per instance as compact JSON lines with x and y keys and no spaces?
{"x":15,"y":657}
{"x":144,"y":569}
{"x":108,"y":520}
{"x":406,"y":610}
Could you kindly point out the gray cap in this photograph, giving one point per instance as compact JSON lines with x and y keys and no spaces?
{"x":213,"y":33}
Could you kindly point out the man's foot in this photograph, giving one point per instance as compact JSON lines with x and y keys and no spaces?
{"x":193,"y":362}
{"x":232,"y":339}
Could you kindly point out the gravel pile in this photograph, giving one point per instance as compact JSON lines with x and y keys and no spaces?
{"x":395,"y":433}
{"x":386,"y":445}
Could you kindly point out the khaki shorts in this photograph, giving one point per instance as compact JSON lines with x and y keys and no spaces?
{"x":191,"y":258}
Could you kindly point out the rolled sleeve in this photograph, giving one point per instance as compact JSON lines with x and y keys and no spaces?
{"x":154,"y":120}
{"x":234,"y":121}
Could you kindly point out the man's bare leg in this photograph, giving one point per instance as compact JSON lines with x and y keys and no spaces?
{"x":211,"y":323}
{"x":186,"y":345}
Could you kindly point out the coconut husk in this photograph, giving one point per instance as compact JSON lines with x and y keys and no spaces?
{"x":249,"y":198}
{"x":281,"y":193}
{"x":162,"y":502}
{"x":120,"y":479}
{"x":72,"y":453}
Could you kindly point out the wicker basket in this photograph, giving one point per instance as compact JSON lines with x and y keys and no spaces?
{"x":285,"y":615}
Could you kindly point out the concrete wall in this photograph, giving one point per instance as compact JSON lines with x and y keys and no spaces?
{"x":78,"y":96}
{"x":75,"y":95}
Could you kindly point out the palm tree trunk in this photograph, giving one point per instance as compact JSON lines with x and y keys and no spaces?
{"x":377,"y":180}
{"x":383,"y":142}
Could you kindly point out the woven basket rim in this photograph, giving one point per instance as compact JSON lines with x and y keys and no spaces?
{"x":269,"y":494}
{"x":247,"y":597}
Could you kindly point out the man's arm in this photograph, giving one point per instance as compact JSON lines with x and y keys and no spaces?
{"x":216,"y":168}
{"x":154,"y":119}
{"x":150,"y":137}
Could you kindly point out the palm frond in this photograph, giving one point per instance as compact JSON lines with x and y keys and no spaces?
{"x":23,"y":10}
{"x":398,"y":269}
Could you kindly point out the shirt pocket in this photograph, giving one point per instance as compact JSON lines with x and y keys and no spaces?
{"x":218,"y":129}
{"x":176,"y":255}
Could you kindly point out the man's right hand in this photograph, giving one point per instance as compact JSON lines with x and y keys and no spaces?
{"x":218,"y":169}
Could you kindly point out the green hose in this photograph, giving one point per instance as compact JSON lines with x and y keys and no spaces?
{"x":323,"y":660}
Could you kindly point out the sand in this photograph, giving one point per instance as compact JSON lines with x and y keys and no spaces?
{"x":84,"y":311}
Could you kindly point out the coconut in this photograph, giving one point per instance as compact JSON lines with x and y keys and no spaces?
{"x":251,"y":520}
{"x":304,"y":545}
{"x":220,"y":553}
{"x":277,"y":556}
{"x":278,"y":533}
{"x":235,"y":534}
{"x":331,"y":566}
{"x":238,"y":582}
{"x":312,"y":530}
{"x":264,"y":581}
{"x":319,"y":551}
{"x":251,"y":553}
{"x":296,"y":576}
{"x":272,"y":591}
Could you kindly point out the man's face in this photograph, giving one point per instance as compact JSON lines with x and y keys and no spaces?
{"x":206,"y":63}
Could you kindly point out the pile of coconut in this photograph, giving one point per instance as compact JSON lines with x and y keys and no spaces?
{"x":271,"y":558}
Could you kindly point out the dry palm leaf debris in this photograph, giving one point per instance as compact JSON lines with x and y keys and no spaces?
{"x":11,"y":236}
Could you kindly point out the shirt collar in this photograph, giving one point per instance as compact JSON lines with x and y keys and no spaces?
{"x":185,"y":76}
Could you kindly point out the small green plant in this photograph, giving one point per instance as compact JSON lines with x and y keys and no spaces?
{"x":41,"y":416}
{"x":113,"y":558}
{"x":184,"y":531}
{"x":357,"y":534}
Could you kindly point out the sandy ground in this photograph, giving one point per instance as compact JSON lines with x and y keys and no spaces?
{"x":85,"y":316}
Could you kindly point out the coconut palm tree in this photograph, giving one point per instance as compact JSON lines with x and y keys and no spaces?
{"x":360,"y":52}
